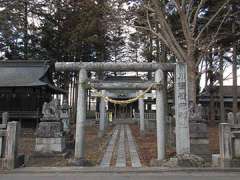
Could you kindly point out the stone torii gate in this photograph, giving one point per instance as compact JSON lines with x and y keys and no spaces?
{"x":181,"y":99}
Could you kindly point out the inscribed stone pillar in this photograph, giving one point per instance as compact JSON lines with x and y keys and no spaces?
{"x":81,"y":116}
{"x":102,"y":123}
{"x":160,"y":116}
{"x":181,"y":110}
{"x":141,"y":113}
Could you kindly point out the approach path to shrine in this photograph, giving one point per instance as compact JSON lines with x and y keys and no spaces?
{"x":121,"y":149}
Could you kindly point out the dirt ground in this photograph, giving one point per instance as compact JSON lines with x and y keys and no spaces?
{"x":147,"y":145}
{"x":94,"y":147}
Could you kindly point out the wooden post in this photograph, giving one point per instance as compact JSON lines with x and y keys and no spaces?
{"x":5,"y":117}
{"x":160,"y":116}
{"x":4,"y":125}
{"x":81,"y":116}
{"x":102,"y":116}
{"x":181,"y":110}
{"x":141,"y":113}
{"x":11,"y":145}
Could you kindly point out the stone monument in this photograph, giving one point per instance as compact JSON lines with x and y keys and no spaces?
{"x":50,"y":136}
{"x":198,"y":132}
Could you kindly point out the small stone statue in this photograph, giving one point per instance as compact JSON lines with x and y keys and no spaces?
{"x":51,"y":110}
{"x":196,"y":113}
{"x":50,"y":137}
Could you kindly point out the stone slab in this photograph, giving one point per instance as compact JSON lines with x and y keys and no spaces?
{"x":50,"y":140}
{"x":199,"y":130}
{"x":49,"y":145}
{"x":121,"y":155}
{"x":199,"y":141}
{"x":106,"y":160}
{"x":200,"y":149}
{"x":135,"y":160}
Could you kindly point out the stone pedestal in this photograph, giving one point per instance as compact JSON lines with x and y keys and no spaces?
{"x":49,"y":145}
{"x":199,"y":140}
{"x":50,"y":137}
{"x":199,"y":132}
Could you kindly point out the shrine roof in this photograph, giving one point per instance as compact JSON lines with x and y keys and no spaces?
{"x":25,"y":74}
{"x":227,"y":91}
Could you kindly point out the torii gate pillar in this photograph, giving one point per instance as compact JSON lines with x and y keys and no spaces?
{"x":160,"y":116}
{"x":81,"y":118}
{"x":141,"y":113}
{"x":102,"y":120}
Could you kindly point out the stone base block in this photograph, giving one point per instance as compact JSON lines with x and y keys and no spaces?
{"x":198,"y":130}
{"x":50,"y":145}
{"x":200,"y":147}
{"x":50,"y":129}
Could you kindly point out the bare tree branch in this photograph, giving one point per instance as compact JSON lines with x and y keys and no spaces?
{"x":217,"y":32}
{"x":167,"y":32}
{"x":194,"y":24}
{"x":211,"y":20}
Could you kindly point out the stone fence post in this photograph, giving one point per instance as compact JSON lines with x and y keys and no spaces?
{"x":11,"y":145}
{"x":225,"y":142}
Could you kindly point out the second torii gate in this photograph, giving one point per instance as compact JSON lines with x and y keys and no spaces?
{"x":181,"y":99}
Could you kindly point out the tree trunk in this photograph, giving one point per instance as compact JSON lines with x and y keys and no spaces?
{"x":25,"y":30}
{"x":150,"y":54}
{"x":211,"y":92}
{"x":234,"y":69}
{"x":222,"y":111}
